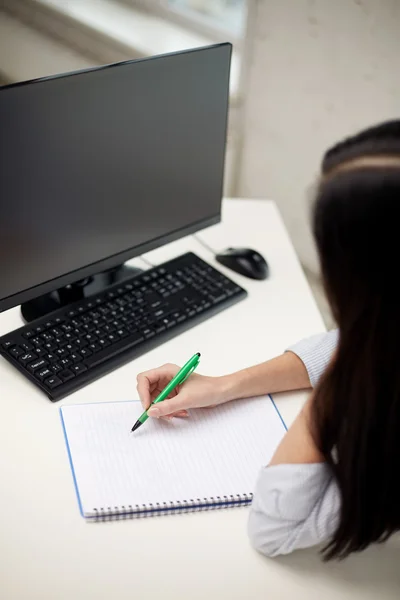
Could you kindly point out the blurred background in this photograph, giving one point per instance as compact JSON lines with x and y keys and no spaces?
{"x":304,"y":74}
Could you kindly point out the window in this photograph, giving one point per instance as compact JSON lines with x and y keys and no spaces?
{"x":225,"y":15}
{"x":220,"y":20}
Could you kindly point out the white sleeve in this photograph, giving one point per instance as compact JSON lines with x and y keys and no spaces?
{"x":294,"y":506}
{"x":316,"y":352}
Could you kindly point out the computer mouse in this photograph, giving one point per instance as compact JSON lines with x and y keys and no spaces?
{"x":245,"y":261}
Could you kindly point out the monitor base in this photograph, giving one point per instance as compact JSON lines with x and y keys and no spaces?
{"x":43,"y":305}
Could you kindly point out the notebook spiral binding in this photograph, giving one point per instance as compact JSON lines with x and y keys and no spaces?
{"x":118,"y":513}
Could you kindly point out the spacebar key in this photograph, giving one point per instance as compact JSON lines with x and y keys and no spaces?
{"x":114,"y":350}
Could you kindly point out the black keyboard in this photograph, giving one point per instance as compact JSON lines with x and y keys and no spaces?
{"x":73,"y":346}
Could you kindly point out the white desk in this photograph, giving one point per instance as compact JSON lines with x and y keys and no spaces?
{"x":48,"y":552}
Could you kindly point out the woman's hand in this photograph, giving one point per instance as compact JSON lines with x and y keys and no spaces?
{"x":198,"y":391}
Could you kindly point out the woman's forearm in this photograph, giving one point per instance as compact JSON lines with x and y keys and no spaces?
{"x":283,"y":373}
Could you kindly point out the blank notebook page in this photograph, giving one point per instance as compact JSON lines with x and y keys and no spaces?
{"x":215,"y":453}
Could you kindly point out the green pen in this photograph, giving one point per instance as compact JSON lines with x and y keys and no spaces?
{"x":179,"y":378}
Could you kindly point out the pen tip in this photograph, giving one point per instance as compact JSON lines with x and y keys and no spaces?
{"x":136,"y":426}
{"x":198,"y":354}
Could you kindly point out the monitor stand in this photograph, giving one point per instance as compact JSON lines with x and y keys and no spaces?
{"x":41,"y":306}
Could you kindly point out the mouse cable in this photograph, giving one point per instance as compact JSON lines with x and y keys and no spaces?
{"x":196,"y":237}
{"x":206,"y":246}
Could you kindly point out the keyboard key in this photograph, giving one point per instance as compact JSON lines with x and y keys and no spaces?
{"x":148,"y":333}
{"x":168,"y":322}
{"x":56,"y":368}
{"x":70,"y":348}
{"x":77,"y":369}
{"x":27,"y":357}
{"x":61,"y":352}
{"x":40,"y":351}
{"x":47,"y":337}
{"x":43,"y":373}
{"x":50,"y":347}
{"x":85,"y":352}
{"x":65,"y":363}
{"x":27,"y":347}
{"x":95,"y":347}
{"x":16,"y":352}
{"x":28,"y":334}
{"x":75,"y":357}
{"x":8,"y":345}
{"x":103,"y":343}
{"x":113,"y":337}
{"x":90,"y":337}
{"x":51,"y":357}
{"x":52,"y":382}
{"x":37,"y":364}
{"x":217,"y":298}
{"x":66,"y":375}
{"x":122,"y":333}
{"x":69,"y":336}
{"x":80,"y":343}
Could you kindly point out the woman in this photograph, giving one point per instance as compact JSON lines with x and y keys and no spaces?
{"x":334,"y":477}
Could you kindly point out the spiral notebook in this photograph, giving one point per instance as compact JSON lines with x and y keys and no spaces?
{"x":210,"y":460}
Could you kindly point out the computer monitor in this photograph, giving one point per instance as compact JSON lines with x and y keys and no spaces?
{"x":102,"y":165}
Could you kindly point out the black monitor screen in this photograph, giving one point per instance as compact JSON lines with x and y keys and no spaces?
{"x":106,"y":163}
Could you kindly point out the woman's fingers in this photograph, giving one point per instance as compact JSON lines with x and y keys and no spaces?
{"x":148,"y":380}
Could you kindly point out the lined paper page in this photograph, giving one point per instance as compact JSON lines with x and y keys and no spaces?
{"x":215,"y":452}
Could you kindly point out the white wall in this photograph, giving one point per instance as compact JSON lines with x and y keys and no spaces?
{"x":318,"y":70}
{"x":26,"y":53}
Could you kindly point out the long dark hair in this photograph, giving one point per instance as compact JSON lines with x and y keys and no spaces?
{"x":356,"y":406}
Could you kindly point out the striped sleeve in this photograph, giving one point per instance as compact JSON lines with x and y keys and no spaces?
{"x":316,"y":352}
